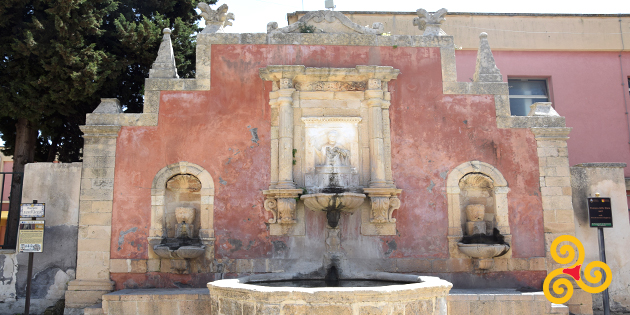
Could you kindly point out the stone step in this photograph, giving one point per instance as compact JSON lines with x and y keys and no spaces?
{"x":501,"y":301}
{"x":96,"y":309}
{"x":197,"y":301}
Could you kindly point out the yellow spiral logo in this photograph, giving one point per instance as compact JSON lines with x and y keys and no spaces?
{"x":592,"y":271}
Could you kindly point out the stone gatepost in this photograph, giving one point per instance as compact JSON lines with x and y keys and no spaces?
{"x":95,"y":217}
{"x":607,"y":179}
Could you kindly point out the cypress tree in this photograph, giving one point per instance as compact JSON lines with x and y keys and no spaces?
{"x":59,"y":57}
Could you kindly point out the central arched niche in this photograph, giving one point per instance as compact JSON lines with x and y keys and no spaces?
{"x":308,"y":107}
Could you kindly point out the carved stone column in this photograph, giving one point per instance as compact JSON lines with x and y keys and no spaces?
{"x":382,"y":191}
{"x":285,"y":149}
{"x":281,"y":198}
{"x":374,"y":96}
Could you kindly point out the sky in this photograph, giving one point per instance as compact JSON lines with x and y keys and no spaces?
{"x":252,"y":16}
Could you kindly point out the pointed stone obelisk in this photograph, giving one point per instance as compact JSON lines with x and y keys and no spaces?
{"x":486,"y":70}
{"x":164,"y":64}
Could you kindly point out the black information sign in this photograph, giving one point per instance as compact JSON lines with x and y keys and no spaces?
{"x":600,"y":212}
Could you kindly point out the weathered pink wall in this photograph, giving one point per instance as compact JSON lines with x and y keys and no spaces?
{"x":587,"y":88}
{"x":431,"y":134}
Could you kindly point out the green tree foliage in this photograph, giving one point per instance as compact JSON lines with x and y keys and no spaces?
{"x":59,"y":57}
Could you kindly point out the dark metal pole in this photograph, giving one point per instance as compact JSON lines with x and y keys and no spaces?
{"x":602,"y":258}
{"x":29,"y":277}
{"x":27,"y":302}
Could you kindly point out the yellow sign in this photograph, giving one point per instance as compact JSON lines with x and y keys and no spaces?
{"x":590,"y":275}
{"x":31,"y":236}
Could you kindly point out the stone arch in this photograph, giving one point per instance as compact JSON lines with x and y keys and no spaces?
{"x":497,"y":184}
{"x":206,"y":211}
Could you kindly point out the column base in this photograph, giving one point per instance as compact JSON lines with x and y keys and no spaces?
{"x":84,"y":293}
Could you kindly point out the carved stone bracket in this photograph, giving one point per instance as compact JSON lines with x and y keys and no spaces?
{"x":282,"y":204}
{"x":383,"y":203}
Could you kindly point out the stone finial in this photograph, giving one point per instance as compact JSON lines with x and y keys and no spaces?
{"x":215,"y":20}
{"x":271,"y":26}
{"x":486,"y":70}
{"x":164,"y":64}
{"x":430,"y":22}
{"x":542,"y":109}
{"x":379,"y":27}
{"x":108,"y":106}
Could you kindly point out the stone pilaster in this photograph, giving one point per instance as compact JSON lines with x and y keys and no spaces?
{"x":95,"y":217}
{"x":285,"y":133}
{"x":374,"y":96}
{"x":555,"y":180}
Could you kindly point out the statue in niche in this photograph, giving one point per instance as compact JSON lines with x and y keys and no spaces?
{"x":332,"y":153}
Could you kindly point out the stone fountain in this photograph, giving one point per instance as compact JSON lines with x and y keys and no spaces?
{"x":330,"y":154}
{"x":184,"y":246}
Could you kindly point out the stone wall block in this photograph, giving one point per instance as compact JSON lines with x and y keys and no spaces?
{"x":94,"y":232}
{"x":98,"y":172}
{"x":98,"y":150}
{"x":97,"y":194}
{"x":95,"y":218}
{"x":93,"y":264}
{"x":118,"y":266}
{"x":561,"y":181}
{"x":99,"y":161}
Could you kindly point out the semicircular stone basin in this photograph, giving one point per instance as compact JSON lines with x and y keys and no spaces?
{"x":327,"y":202}
{"x":483,"y":251}
{"x":418,"y":295}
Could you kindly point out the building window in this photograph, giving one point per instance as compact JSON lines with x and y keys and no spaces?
{"x":525,"y":92}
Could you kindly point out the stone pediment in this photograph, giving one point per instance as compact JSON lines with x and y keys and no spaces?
{"x":325,"y":21}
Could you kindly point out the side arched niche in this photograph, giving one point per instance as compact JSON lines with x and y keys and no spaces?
{"x":476,"y":182}
{"x":182,"y":184}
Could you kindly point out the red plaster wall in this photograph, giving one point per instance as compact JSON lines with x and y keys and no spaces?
{"x":590,"y":89}
{"x":431,"y":134}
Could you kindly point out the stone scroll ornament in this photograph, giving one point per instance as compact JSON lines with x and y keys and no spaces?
{"x":383,"y":208}
{"x":590,"y":275}
{"x":215,"y":20}
{"x":429,"y":22}
{"x":282,"y":209}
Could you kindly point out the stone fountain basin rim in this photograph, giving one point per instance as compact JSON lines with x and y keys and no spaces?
{"x":417,"y":282}
{"x":320,"y":201}
{"x":332,"y":194}
{"x":482,"y":251}
{"x":183,"y":252}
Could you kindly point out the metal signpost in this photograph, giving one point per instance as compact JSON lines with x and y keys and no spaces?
{"x":30,"y":240}
{"x":600,"y":216}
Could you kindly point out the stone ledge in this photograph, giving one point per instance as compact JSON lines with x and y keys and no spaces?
{"x":149,"y":119}
{"x":344,"y":39}
{"x":602,"y":165}
{"x":156,"y":294}
{"x":537,"y":121}
{"x":492,"y":88}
